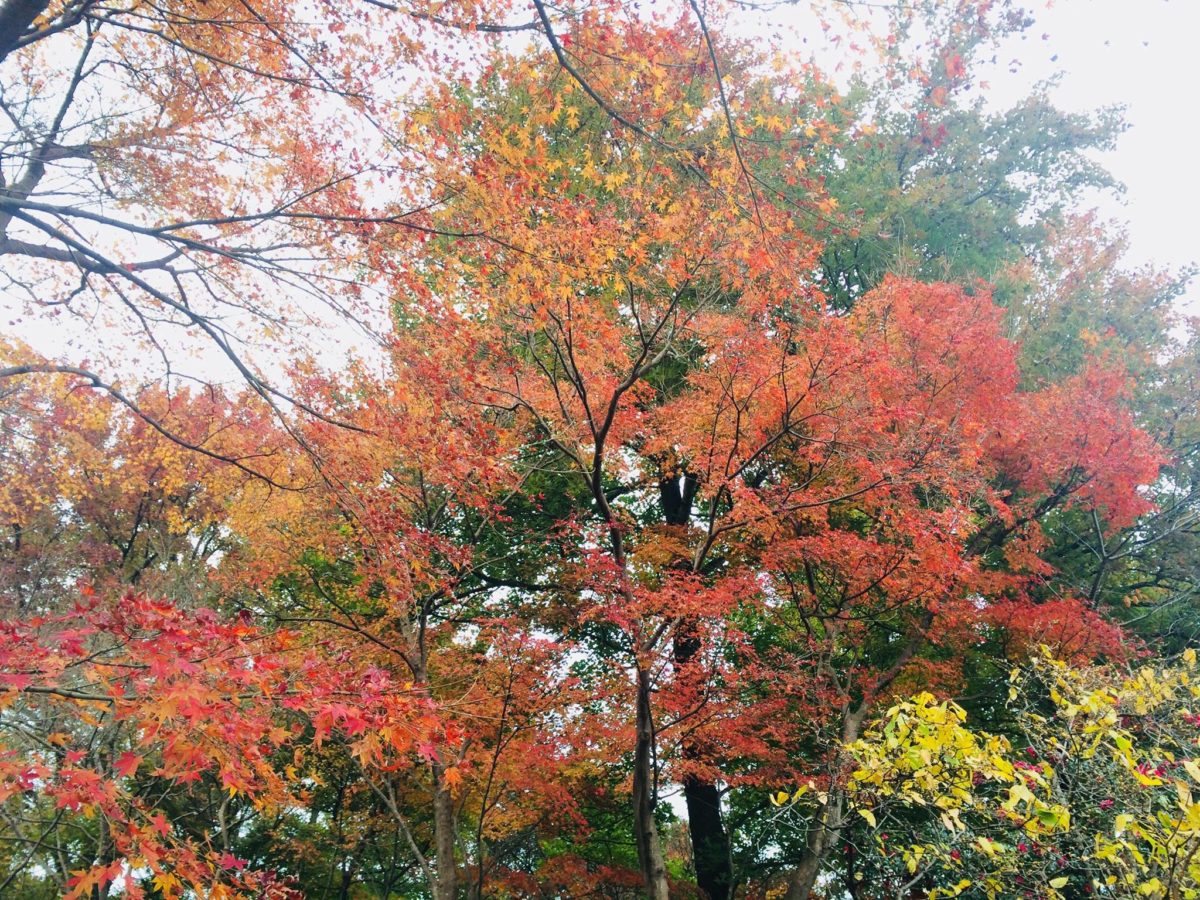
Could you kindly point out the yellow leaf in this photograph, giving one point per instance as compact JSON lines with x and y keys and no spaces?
{"x":167,"y":884}
{"x":868,"y":815}
{"x":1060,"y":882}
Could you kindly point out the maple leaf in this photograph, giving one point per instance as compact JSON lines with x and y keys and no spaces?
{"x":126,"y":764}
{"x":160,"y":824}
{"x":229,"y":861}
{"x":453,"y":779}
{"x":167,"y":883}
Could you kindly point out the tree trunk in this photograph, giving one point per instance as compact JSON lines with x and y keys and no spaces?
{"x":828,"y":825}
{"x":710,"y":842}
{"x":823,"y":833}
{"x":444,"y":834}
{"x":15,"y":18}
{"x":645,"y":831}
{"x":445,"y":824}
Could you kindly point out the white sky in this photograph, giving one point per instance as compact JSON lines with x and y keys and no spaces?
{"x":1142,"y":54}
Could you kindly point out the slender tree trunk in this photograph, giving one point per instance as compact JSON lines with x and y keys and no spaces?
{"x":444,"y":833}
{"x":854,"y":887}
{"x":445,"y":825}
{"x":710,"y":842}
{"x":649,"y":846}
{"x":828,"y":825}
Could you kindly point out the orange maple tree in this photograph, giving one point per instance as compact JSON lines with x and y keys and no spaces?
{"x":634,"y":306}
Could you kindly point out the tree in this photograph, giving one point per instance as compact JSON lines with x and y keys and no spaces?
{"x":933,"y":183}
{"x":664,"y":351}
{"x":113,"y":710}
{"x":1091,"y":794}
{"x":94,"y":493}
{"x":290,"y":122}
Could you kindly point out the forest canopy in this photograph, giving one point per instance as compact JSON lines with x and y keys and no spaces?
{"x":581,"y":450}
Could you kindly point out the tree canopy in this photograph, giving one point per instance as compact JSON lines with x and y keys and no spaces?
{"x":755,"y":485}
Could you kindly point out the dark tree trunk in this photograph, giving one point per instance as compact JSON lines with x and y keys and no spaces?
{"x":15,"y":18}
{"x":710,"y":841}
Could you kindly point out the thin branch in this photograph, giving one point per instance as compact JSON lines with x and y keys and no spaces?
{"x":95,"y":381}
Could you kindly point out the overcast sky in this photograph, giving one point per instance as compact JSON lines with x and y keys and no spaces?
{"x":1142,"y":54}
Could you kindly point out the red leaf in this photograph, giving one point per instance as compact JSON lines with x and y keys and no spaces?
{"x":127,"y":764}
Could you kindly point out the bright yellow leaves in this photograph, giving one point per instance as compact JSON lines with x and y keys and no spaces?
{"x":783,"y":797}
{"x":167,"y":884}
{"x":1101,"y":796}
{"x":924,"y":755}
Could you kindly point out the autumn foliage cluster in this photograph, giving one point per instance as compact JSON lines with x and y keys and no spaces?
{"x":755,"y":483}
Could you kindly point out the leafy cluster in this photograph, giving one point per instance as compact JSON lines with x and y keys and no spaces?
{"x":1090,"y":793}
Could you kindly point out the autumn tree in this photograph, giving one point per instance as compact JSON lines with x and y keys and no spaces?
{"x":228,"y":176}
{"x":97,"y":494}
{"x":1083,"y":301}
{"x":637,"y":310}
{"x":223,"y":177}
{"x":115,"y":711}
{"x":934,"y":182}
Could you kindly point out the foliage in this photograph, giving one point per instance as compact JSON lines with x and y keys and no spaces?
{"x":712,"y":412}
{"x":1092,"y":792}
